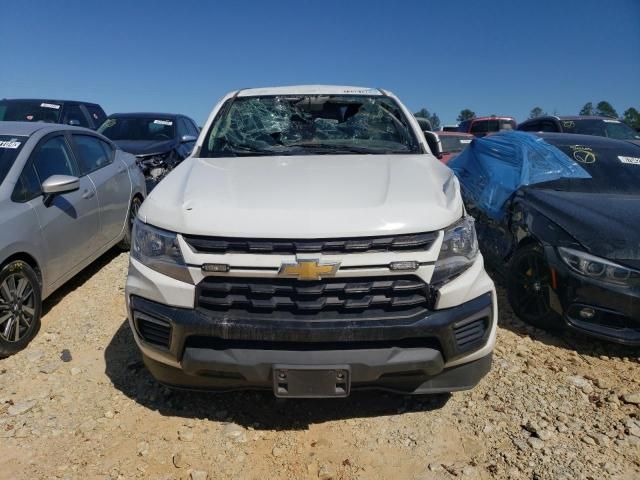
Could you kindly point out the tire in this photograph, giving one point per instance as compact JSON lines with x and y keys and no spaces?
{"x":528,"y":288}
{"x":125,"y":243}
{"x":20,"y":307}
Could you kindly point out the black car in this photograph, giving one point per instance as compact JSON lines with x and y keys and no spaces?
{"x":569,"y":248}
{"x":160,"y":141}
{"x":70,"y":112}
{"x":582,"y":125}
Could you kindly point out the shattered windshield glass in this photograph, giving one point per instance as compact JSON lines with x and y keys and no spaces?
{"x":310,"y":125}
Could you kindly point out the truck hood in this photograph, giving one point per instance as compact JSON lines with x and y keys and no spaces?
{"x":319,"y":196}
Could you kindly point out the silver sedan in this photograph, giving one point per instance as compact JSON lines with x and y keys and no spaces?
{"x":67,"y":195}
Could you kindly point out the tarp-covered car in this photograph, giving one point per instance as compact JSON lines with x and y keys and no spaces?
{"x":557,"y":214}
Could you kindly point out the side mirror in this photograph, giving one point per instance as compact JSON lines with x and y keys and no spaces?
{"x":74,"y":122}
{"x":434,"y":144}
{"x":57,"y":185}
{"x":188,"y":138}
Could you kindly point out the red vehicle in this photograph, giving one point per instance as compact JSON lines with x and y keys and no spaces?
{"x":482,"y":126}
{"x":452,"y":143}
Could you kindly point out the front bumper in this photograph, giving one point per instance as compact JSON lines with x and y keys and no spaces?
{"x":616,"y":308}
{"x":414,"y":355}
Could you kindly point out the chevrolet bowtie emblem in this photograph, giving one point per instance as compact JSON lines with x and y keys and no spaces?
{"x":308,"y":269}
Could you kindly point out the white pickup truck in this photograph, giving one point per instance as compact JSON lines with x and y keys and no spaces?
{"x":311,"y":245}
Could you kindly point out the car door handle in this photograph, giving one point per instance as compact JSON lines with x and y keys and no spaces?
{"x":88,"y":194}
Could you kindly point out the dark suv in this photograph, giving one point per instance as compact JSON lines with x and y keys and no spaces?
{"x":70,"y":112}
{"x":583,"y":125}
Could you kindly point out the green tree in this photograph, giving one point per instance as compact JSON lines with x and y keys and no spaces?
{"x":606,"y":110}
{"x":587,"y":109}
{"x":536,"y":112}
{"x":435,"y":121}
{"x":466,"y":114}
{"x":631,"y":117}
{"x":432,"y":117}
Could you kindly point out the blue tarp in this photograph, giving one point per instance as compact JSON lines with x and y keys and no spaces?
{"x":492,"y":168}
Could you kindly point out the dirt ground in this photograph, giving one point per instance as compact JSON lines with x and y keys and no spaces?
{"x":79,"y":404}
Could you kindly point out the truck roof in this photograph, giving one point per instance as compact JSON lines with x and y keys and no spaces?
{"x":309,"y":90}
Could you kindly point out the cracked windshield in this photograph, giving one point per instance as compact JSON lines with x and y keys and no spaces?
{"x":310,"y":125}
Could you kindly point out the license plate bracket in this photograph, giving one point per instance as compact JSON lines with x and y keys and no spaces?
{"x":296,"y":381}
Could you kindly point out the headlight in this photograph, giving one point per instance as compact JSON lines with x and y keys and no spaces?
{"x":459,"y":250}
{"x":598,"y":268}
{"x":159,"y":250}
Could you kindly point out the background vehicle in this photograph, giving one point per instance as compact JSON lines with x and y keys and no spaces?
{"x":482,"y":126}
{"x":425,"y":124}
{"x":67,"y":195}
{"x":292,"y":252}
{"x":70,"y":112}
{"x":160,"y":141}
{"x":452,"y":143}
{"x":567,"y":244}
{"x":450,"y":128}
{"x":583,"y":125}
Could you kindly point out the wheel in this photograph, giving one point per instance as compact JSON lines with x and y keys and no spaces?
{"x":20,"y":307}
{"x":528,"y":288}
{"x":125,"y":243}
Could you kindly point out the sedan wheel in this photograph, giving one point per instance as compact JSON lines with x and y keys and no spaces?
{"x":20,"y":306}
{"x":529,"y":288}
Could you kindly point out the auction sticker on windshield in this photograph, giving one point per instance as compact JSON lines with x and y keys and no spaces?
{"x":163,"y":122}
{"x":629,"y":160}
{"x":12,"y":144}
{"x":50,"y":105}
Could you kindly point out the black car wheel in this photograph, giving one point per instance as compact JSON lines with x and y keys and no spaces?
{"x":529,"y":286}
{"x":125,"y":244}
{"x":20,"y":307}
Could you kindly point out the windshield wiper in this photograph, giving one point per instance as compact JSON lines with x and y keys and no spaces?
{"x":242,"y":151}
{"x":324,"y":147}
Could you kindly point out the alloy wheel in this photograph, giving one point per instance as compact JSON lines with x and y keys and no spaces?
{"x":17,"y":307}
{"x":532,"y":282}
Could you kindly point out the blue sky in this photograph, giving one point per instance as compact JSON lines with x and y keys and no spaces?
{"x":494,"y":56}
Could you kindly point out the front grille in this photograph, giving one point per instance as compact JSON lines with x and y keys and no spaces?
{"x":153,"y":330}
{"x":470,"y":333}
{"x":222,"y":245}
{"x":290,"y":298}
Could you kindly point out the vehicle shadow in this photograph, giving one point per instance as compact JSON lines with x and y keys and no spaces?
{"x":256,"y":409}
{"x":569,"y":340}
{"x":79,"y":280}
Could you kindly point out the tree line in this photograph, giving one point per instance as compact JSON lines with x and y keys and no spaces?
{"x":630,"y":116}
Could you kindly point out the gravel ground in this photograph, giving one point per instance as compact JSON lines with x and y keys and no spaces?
{"x":78,"y":403}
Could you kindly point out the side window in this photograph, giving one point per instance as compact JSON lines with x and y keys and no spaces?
{"x":193,"y":129}
{"x":53,"y":157}
{"x":480,"y":127}
{"x":73,"y":116}
{"x":531,"y":127}
{"x":97,"y":114}
{"x":28,"y":185}
{"x":182,"y":128}
{"x":548,"y":126}
{"x":92,"y":152}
